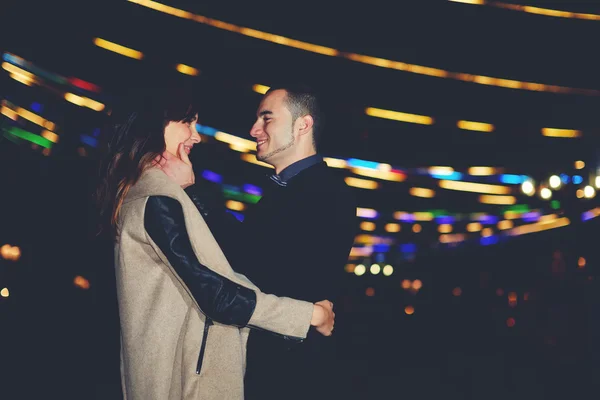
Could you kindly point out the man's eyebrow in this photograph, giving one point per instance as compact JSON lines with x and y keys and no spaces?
{"x":265,"y":112}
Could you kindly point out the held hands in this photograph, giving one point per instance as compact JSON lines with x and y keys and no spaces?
{"x":323,"y":317}
{"x":179,"y":168}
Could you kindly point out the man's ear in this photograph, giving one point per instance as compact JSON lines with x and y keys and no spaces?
{"x":305,"y":124}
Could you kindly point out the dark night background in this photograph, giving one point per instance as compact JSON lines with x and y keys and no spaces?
{"x":59,"y":340}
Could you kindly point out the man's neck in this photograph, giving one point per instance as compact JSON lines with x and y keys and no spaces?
{"x":289,"y":161}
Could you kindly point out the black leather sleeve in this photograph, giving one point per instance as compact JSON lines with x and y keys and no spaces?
{"x":227,"y":230}
{"x":219,"y":298}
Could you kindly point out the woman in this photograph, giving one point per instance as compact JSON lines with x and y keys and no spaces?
{"x":185,"y":314}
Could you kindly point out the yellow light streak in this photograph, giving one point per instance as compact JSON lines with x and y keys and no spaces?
{"x":119,"y":49}
{"x":474,"y":187}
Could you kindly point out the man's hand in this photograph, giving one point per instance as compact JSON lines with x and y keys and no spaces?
{"x":177,"y":168}
{"x":323,"y":317}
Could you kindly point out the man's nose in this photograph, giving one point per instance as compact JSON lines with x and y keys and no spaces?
{"x":255,"y":131}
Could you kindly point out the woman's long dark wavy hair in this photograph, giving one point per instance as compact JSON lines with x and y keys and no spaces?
{"x":134,"y":139}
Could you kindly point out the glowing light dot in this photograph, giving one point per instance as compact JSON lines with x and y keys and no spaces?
{"x":409,"y":310}
{"x":456,"y":291}
{"x":370,"y":292}
{"x":360,"y":270}
{"x":546,"y":193}
{"x":581,"y":262}
{"x":4,"y":292}
{"x":579,"y":164}
{"x":388,"y":270}
{"x":510,"y":322}
{"x":406,"y":284}
{"x":554,"y":181}
{"x":589,"y":192}
{"x":81,"y":282}
{"x":417,"y":284}
{"x":375,"y":269}
{"x":527,"y":188}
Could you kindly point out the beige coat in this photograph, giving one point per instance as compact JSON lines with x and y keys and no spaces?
{"x":161,"y":323}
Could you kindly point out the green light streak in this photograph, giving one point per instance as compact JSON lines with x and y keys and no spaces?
{"x":26,"y":135}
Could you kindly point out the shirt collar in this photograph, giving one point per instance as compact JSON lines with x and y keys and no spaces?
{"x":299,"y":166}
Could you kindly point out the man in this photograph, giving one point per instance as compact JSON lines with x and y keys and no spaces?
{"x":301,"y":232}
{"x":293,"y":243}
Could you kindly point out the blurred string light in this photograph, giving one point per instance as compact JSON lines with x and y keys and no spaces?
{"x":251,"y":158}
{"x":187,"y":70}
{"x":481,"y":171}
{"x":399,"y":116}
{"x":360,"y":167}
{"x":235,"y":205}
{"x":375,"y":269}
{"x":538,"y":226}
{"x":26,"y":114}
{"x":533,"y":10}
{"x":561,"y":133}
{"x":262,"y":89}
{"x":19,"y":74}
{"x":13,"y":133}
{"x":367,"y":226}
{"x":474,"y":187}
{"x":81,"y":282}
{"x":593,"y":213}
{"x":554,"y":181}
{"x":475,"y":126}
{"x":84,"y":101}
{"x":360,"y":270}
{"x":421,"y":192}
{"x":119,"y":49}
{"x":361,"y":183}
{"x":81,"y":84}
{"x":528,"y":188}
{"x":8,"y":252}
{"x":236,"y":141}
{"x":392,"y":228}
{"x":589,"y":192}
{"x":366,"y":212}
{"x":4,"y":292}
{"x":16,"y":67}
{"x":545,"y":193}
{"x":376,"y":61}
{"x":579,"y":164}
{"x":501,"y":200}
{"x":27,"y":68}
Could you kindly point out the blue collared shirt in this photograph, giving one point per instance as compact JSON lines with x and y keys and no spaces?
{"x":294,"y":169}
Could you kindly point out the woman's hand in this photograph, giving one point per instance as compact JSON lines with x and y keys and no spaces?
{"x":177,"y":168}
{"x":323,"y":317}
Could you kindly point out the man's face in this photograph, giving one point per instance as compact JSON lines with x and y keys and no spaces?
{"x":273,"y":129}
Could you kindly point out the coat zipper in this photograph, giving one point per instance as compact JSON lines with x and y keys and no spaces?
{"x":207,"y":323}
{"x":290,"y":338}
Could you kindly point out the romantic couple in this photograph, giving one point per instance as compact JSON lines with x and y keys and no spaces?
{"x":200,"y":292}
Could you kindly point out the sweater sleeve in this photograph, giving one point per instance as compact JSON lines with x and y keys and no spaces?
{"x":220,"y":298}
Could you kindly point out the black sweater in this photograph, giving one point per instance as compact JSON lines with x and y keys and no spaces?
{"x":294,"y":242}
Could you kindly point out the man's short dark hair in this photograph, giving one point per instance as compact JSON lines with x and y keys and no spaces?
{"x":301,"y":100}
